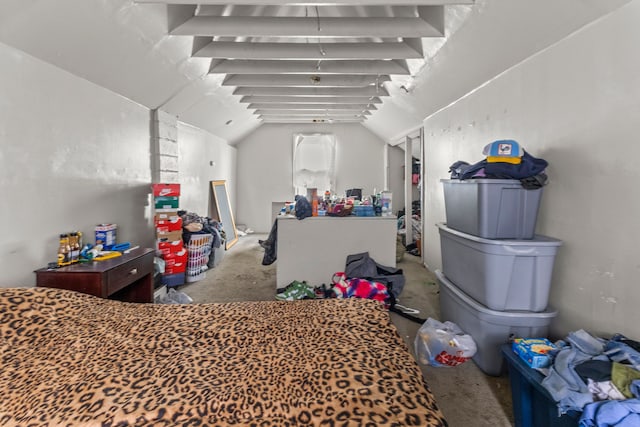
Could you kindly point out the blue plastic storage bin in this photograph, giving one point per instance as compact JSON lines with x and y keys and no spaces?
{"x":532,"y":404}
{"x":173,"y":280}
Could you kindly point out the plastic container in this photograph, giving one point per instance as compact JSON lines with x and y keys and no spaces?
{"x":364,"y":210}
{"x":386,"y":203}
{"x":489,"y":328}
{"x":501,"y":274}
{"x":198,"y":249}
{"x":172,"y":280}
{"x":533,"y":406}
{"x":217,"y":254}
{"x":491,"y":208}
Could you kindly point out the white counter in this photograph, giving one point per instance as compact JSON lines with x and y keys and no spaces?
{"x":314,"y":248}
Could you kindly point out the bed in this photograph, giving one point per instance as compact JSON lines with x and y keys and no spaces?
{"x":75,"y":359}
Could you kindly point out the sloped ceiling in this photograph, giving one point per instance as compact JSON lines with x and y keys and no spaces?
{"x":227,"y":67}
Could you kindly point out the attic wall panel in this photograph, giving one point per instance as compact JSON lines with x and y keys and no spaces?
{"x":577,"y":106}
{"x":73,"y":155}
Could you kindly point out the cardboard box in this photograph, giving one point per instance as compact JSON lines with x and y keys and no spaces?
{"x":174,"y":224}
{"x":167,"y":247}
{"x":166,"y":189}
{"x":176,"y":268}
{"x":175,"y":258}
{"x":534,"y":351}
{"x":106,"y":235}
{"x":166,"y":202}
{"x":165,"y":215}
{"x":169,"y":236}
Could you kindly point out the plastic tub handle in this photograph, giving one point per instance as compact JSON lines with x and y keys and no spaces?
{"x":514,"y":251}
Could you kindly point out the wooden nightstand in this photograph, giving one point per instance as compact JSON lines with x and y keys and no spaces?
{"x":125,"y":278}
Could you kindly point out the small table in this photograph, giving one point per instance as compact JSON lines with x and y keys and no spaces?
{"x":126,"y":278}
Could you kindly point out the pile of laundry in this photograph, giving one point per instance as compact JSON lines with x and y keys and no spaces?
{"x":192,"y":223}
{"x":597,"y":376}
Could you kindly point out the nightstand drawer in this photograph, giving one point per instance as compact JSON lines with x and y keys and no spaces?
{"x":125,"y":274}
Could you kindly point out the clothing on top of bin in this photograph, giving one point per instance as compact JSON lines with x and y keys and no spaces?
{"x":530,"y":171}
{"x":578,"y":376}
{"x":504,"y":150}
{"x":620,"y":413}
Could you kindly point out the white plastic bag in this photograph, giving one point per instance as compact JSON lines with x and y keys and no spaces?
{"x":443,"y":344}
{"x":176,"y":297}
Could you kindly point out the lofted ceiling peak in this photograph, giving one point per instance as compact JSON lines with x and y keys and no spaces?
{"x":337,"y":55}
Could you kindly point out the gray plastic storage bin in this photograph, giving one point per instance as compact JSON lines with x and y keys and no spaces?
{"x":491,"y":208}
{"x":501,"y":274}
{"x":489,"y":329}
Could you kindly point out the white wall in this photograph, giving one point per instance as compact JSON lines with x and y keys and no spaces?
{"x":576,"y":105}
{"x":264,"y":167}
{"x":72,"y":155}
{"x":204,"y":158}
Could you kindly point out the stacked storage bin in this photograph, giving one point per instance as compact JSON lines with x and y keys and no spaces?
{"x":496,"y":272}
{"x":169,"y":233}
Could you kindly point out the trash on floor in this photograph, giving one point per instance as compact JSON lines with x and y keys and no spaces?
{"x":443,"y":344}
{"x":176,"y":297}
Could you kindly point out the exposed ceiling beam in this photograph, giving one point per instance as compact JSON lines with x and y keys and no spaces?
{"x":314,"y":106}
{"x":303,"y":81}
{"x":328,"y":120}
{"x":329,"y":115}
{"x":311,"y":99}
{"x":313,"y":2}
{"x":312,"y":91}
{"x":319,"y":51}
{"x":246,"y":66}
{"x":286,"y":112}
{"x":249,"y":26}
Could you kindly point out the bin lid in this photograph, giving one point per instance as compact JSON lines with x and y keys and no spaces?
{"x":538,"y":239}
{"x":475,"y":181}
{"x":510,"y":315}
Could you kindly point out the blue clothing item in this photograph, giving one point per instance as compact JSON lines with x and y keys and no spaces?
{"x":565,"y":385}
{"x":563,"y":382}
{"x":618,"y":413}
{"x":303,"y":207}
{"x":635,"y":388}
{"x":530,"y":166}
{"x":618,"y":351}
{"x":217,"y":240}
{"x":585,"y":342}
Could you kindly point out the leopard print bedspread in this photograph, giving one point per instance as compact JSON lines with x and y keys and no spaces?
{"x":73,"y":359}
